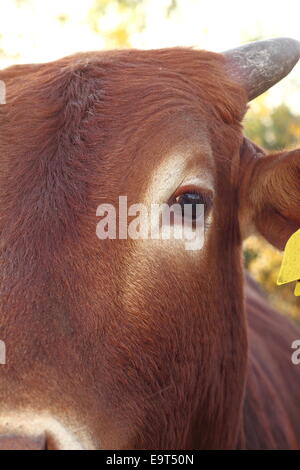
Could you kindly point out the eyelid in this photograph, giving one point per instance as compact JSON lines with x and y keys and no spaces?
{"x":189,"y":187}
{"x":208,"y":194}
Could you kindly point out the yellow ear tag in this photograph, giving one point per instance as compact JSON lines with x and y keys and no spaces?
{"x":290,"y":268}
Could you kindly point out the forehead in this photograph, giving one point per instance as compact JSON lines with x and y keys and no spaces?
{"x":159,"y":155}
{"x":165,"y":106}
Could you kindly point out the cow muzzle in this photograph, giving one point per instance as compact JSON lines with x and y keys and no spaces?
{"x":29,"y":431}
{"x":19,"y":442}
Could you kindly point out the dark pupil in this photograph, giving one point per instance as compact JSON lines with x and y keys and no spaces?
{"x":192,"y":199}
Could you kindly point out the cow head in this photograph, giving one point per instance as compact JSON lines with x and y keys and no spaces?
{"x":132,"y":343}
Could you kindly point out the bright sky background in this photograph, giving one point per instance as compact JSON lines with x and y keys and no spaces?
{"x":30,"y":30}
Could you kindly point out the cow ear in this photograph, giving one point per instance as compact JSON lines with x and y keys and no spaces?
{"x":270,"y":193}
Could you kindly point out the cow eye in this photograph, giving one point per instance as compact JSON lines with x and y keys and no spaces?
{"x":190,"y":199}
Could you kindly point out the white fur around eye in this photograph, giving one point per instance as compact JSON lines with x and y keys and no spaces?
{"x":175,"y":172}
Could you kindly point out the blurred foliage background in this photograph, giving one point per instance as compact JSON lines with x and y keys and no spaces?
{"x":39,"y":31}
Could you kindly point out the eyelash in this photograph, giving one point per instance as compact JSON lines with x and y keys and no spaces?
{"x":206,"y":195}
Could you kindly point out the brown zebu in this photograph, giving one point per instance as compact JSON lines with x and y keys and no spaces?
{"x":130,"y":343}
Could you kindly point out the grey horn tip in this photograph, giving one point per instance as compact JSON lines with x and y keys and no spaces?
{"x":259,"y":65}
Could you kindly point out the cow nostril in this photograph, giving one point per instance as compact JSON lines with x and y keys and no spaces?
{"x":16,"y":442}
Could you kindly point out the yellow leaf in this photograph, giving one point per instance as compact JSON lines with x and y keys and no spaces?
{"x":290,"y":268}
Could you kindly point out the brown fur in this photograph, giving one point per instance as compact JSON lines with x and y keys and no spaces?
{"x":142,"y":349}
{"x":271,"y":409}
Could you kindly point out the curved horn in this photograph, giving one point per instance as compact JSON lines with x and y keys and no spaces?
{"x":259,"y":65}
